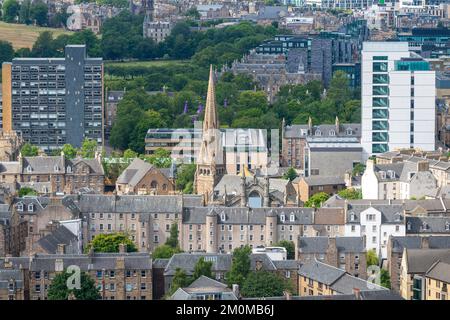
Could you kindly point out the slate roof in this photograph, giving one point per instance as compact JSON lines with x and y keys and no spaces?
{"x":395,"y":168}
{"x":320,"y":272}
{"x":97,"y":261}
{"x":10,"y":274}
{"x":415,"y":242}
{"x":43,"y":165}
{"x":135,"y":172}
{"x":61,"y":235}
{"x":95,"y":166}
{"x":390,"y":214}
{"x":295,"y":131}
{"x":323,"y":180}
{"x":428,"y":225}
{"x":420,"y":260}
{"x":245,"y":215}
{"x":439,"y":271}
{"x":347,"y":283}
{"x":207,"y":284}
{"x":320,"y":244}
{"x":160,"y":263}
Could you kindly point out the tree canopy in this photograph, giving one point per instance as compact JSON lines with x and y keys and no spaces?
{"x":316,"y":200}
{"x":350,"y":194}
{"x":264,"y":284}
{"x":110,"y":242}
{"x":29,"y":150}
{"x":289,"y":246}
{"x":240,"y":266}
{"x":58,"y":289}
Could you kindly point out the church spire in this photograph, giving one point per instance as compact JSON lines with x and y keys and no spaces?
{"x":211,"y":120}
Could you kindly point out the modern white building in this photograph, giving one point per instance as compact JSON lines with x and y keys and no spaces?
{"x":397,"y":99}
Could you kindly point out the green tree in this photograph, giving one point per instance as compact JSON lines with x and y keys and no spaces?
{"x":185,"y":177}
{"x":27,"y":191}
{"x":264,"y":284}
{"x":69,"y":151}
{"x":44,"y":46}
{"x":180,"y":280}
{"x":172,"y":240}
{"x":385,"y":279}
{"x":110,"y":242}
{"x":372,"y":258}
{"x":160,"y":158}
{"x":202,"y":268}
{"x":58,"y":289}
{"x":39,"y":13}
{"x":240,"y":266}
{"x":316,"y":200}
{"x":6,"y":52}
{"x":358,"y":169}
{"x":29,"y":150}
{"x":130,"y":154}
{"x":289,"y":246}
{"x":24,"y":13}
{"x":290,"y":174}
{"x":88,"y":148}
{"x":193,"y":13}
{"x":165,"y":252}
{"x":10,"y":10}
{"x":350,"y":194}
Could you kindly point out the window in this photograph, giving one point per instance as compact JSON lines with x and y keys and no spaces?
{"x":292,"y":217}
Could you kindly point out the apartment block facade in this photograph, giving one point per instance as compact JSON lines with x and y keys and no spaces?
{"x":54,"y":101}
{"x":398,"y":99}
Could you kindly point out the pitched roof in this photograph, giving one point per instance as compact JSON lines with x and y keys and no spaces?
{"x":61,"y":235}
{"x":417,"y":225}
{"x":415,"y":242}
{"x":320,"y":272}
{"x":420,"y":260}
{"x":439,"y":271}
{"x":43,"y":164}
{"x":323,"y":180}
{"x":135,"y":172}
{"x":320,"y":244}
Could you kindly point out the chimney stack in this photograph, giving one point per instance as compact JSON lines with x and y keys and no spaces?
{"x":61,"y":248}
{"x":357,"y":293}
{"x":423,"y":166}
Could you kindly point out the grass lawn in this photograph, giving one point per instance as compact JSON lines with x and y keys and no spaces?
{"x":23,"y":36}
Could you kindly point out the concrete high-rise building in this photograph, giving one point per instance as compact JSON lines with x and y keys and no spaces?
{"x":54,"y":101}
{"x":397,"y":99}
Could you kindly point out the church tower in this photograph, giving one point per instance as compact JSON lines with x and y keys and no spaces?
{"x":210,"y":160}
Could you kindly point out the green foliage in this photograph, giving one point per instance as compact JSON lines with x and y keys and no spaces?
{"x":160,"y":158}
{"x":6,"y":52}
{"x":58,"y":289}
{"x":10,"y":10}
{"x":350,"y":194}
{"x":27,"y":191}
{"x":185,"y":178}
{"x":372,"y":258}
{"x":202,"y":268}
{"x":240,"y":266}
{"x":358,"y":169}
{"x":180,"y":280}
{"x":110,"y":242}
{"x":114,"y":3}
{"x":316,"y":200}
{"x":88,"y":148}
{"x":29,"y":150}
{"x":289,"y":246}
{"x":39,"y":13}
{"x":24,"y":12}
{"x":70,"y":152}
{"x":290,"y":174}
{"x":130,"y":154}
{"x":193,"y":13}
{"x":264,"y":284}
{"x":385,"y":279}
{"x":165,"y":252}
{"x":172,"y":241}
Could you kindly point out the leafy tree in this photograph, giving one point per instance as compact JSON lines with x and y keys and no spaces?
{"x":160,"y":158}
{"x":316,"y":200}
{"x":39,"y":13}
{"x":58,"y":289}
{"x":24,"y":13}
{"x":6,"y":52}
{"x":180,"y":280}
{"x":172,"y":241}
{"x":202,"y":268}
{"x":110,"y":242}
{"x":240,"y":266}
{"x":130,"y":154}
{"x":385,"y":279}
{"x":350,"y":194}
{"x":289,"y":246}
{"x":88,"y":148}
{"x":165,"y":252}
{"x":290,"y":174}
{"x":29,"y":150}
{"x":193,"y":13}
{"x":10,"y":10}
{"x":358,"y":169}
{"x":372,"y":258}
{"x":69,"y":151}
{"x":264,"y":284}
{"x":27,"y":191}
{"x":44,"y":46}
{"x":185,"y":178}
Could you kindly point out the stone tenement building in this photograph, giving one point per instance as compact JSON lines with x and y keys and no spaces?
{"x":10,"y":144}
{"x":53,"y":174}
{"x":117,"y":276}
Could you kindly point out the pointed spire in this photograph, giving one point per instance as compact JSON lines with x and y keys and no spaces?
{"x":211,"y":121}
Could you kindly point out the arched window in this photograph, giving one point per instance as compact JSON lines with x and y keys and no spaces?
{"x":69,"y":169}
{"x":29,"y":169}
{"x":332,"y":133}
{"x":318,"y":132}
{"x":154,"y":184}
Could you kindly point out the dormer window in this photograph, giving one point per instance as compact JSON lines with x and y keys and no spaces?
{"x":20,"y":206}
{"x":383,"y":174}
{"x":318,"y":133}
{"x":408,"y":226}
{"x":424,"y":225}
{"x":69,"y":169}
{"x":30,"y":207}
{"x":411,"y":174}
{"x":292,"y":217}
{"x":391,"y":174}
{"x":223,"y":217}
{"x":282,"y":218}
{"x":398,"y":217}
{"x":29,"y":169}
{"x":56,"y":168}
{"x":349,"y":132}
{"x":332,"y":133}
{"x":352,"y":217}
{"x":447,"y":226}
